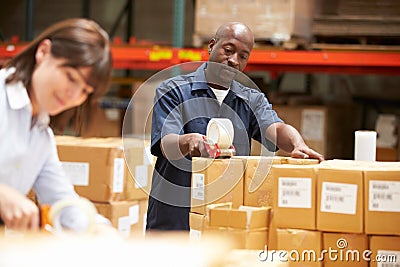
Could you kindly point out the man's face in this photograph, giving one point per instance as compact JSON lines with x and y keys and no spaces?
{"x":233,"y":51}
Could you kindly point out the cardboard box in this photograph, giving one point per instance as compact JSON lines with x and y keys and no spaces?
{"x":382,"y":200}
{"x":246,"y":227}
{"x":385,"y":250}
{"x":258,"y":184}
{"x":344,"y":249}
{"x":101,"y":168}
{"x":216,"y":181}
{"x":245,"y":217}
{"x":269,"y":20}
{"x":197,"y":224}
{"x":258,"y":180}
{"x":126,"y":216}
{"x":319,"y":127}
{"x":304,"y":247}
{"x":105,"y":122}
{"x":96,"y":167}
{"x":295,"y":191}
{"x":340,"y":200}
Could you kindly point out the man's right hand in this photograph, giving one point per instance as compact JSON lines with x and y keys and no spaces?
{"x":177,"y":146}
{"x":17,"y":211}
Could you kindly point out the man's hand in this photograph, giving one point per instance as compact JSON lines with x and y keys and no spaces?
{"x":289,"y":140}
{"x":304,"y":152}
{"x":177,"y":146}
{"x":17,"y":211}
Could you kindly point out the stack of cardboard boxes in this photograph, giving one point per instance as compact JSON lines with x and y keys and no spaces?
{"x":113,"y":173}
{"x":337,"y":213}
{"x":233,"y":198}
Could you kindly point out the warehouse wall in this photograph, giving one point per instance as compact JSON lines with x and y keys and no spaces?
{"x":152,"y":20}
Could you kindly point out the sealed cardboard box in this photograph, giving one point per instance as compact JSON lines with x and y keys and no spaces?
{"x":319,"y":127}
{"x":107,"y":169}
{"x":258,"y":180}
{"x":382,"y":201}
{"x":340,"y":199}
{"x":197,"y":224}
{"x":245,"y":217}
{"x":126,"y":216}
{"x":96,"y":167}
{"x":140,"y":166}
{"x":304,"y":246}
{"x":344,"y":249}
{"x":385,"y":251}
{"x":295,"y":191}
{"x":216,"y":181}
{"x":269,"y":20}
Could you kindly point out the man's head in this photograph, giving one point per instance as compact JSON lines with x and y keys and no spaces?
{"x":231,"y":45}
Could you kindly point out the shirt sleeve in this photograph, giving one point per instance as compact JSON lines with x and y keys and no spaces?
{"x":265,"y":116}
{"x":167,"y":115}
{"x":52,"y":184}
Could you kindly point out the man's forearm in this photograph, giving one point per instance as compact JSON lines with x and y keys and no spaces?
{"x":285,"y":136}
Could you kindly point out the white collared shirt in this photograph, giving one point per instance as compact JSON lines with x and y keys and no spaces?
{"x":28,"y":154}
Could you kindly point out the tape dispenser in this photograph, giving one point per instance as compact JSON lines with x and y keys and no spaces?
{"x":219,"y":138}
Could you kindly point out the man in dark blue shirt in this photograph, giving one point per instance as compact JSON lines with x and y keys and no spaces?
{"x":184,"y":105}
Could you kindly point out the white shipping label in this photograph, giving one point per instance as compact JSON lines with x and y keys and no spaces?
{"x":388,"y":258}
{"x":124,"y":226}
{"x":384,"y":196}
{"x":312,"y":124}
{"x":144,"y":224}
{"x":339,"y":198}
{"x":141,"y":176}
{"x":148,"y":158}
{"x":194,"y":234}
{"x":77,"y":172}
{"x":118,"y":181}
{"x":294,"y":192}
{"x":134,"y":214}
{"x":198,"y":186}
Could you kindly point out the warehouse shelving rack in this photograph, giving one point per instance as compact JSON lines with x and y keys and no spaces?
{"x":274,"y":61}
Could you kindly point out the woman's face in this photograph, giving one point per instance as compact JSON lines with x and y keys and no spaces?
{"x":56,"y":88}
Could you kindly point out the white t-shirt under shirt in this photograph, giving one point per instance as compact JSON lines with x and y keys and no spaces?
{"x":220,"y":94}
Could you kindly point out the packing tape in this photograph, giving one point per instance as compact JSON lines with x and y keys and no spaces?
{"x":220,"y":131}
{"x":83,"y":204}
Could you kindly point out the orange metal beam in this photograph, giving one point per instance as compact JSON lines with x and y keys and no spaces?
{"x":157,"y":58}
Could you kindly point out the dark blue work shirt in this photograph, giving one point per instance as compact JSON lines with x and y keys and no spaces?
{"x":185,"y":104}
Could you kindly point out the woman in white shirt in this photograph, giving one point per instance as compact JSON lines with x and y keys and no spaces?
{"x":67,"y":66}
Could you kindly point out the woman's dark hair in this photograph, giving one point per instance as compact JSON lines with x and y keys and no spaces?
{"x":82,"y":43}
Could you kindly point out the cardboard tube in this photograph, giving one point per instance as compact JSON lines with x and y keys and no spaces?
{"x":365,"y":145}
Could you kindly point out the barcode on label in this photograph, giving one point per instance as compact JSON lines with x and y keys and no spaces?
{"x":382,"y":196}
{"x":290,"y":193}
{"x":332,"y":198}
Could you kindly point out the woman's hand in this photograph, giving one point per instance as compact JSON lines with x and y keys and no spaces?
{"x":17,"y":211}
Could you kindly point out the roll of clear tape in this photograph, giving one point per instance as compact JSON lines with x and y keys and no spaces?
{"x":220,"y":131}
{"x":82,"y":204}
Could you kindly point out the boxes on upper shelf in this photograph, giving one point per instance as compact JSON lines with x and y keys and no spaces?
{"x":273,"y":20}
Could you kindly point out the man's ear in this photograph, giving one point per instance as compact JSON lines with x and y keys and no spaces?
{"x":211,"y":44}
{"x":44,"y":48}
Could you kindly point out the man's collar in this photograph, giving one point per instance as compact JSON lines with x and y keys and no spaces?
{"x":200,"y":83}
